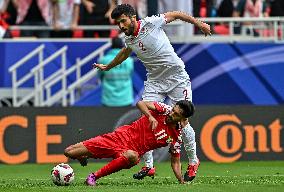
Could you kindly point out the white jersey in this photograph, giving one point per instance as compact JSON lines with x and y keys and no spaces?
{"x":154,"y":49}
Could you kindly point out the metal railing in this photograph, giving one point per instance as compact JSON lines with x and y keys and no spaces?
{"x":272,"y":25}
{"x":36,"y":73}
{"x":69,"y":90}
{"x":268,"y":28}
{"x":41,"y":81}
{"x":41,"y":93}
{"x":16,"y":83}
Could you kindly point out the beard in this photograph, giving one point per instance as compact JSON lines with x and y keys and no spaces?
{"x":130,"y":30}
{"x":169,"y":119}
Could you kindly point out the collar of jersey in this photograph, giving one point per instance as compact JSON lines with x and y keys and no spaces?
{"x":138,"y":29}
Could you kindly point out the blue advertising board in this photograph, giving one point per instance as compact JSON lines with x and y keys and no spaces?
{"x":221,"y":73}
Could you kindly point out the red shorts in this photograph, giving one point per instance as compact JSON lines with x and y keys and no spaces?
{"x":106,"y":146}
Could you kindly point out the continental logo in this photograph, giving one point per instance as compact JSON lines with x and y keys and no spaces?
{"x":224,"y":138}
{"x":43,"y":139}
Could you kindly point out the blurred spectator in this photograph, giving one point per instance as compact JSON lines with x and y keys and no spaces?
{"x":3,"y":29}
{"x":152,"y":7}
{"x":276,"y":7}
{"x":8,"y":15}
{"x":139,"y":5}
{"x":250,"y":8}
{"x":35,"y":13}
{"x":226,"y":8}
{"x":66,"y":18}
{"x":203,"y":8}
{"x":96,"y":12}
{"x":185,"y":29}
{"x":117,"y":87}
{"x":8,"y":9}
{"x":3,"y":23}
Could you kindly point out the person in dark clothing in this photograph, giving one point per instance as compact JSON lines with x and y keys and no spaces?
{"x":276,"y":7}
{"x":35,"y":13}
{"x":95,"y":12}
{"x":226,"y":8}
{"x":197,"y":4}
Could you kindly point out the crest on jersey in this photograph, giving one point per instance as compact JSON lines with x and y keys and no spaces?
{"x":169,"y":140}
{"x":143,"y":30}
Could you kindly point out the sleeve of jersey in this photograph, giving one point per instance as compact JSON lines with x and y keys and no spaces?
{"x":162,"y":108}
{"x":157,"y":20}
{"x":174,"y":149}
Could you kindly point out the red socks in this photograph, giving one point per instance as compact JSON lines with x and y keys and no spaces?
{"x":112,"y":167}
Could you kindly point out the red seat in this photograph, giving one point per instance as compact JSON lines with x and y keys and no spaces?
{"x":15,"y":33}
{"x":78,"y":33}
{"x":221,"y":29}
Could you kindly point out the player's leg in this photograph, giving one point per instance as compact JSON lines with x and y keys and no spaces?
{"x":79,"y":152}
{"x":126,"y":160}
{"x":148,"y":169}
{"x":188,"y":137}
{"x":148,"y":159}
{"x":180,"y":92}
{"x":152,"y":92}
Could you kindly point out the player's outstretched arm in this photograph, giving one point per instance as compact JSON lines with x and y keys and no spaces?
{"x":176,"y":167}
{"x":174,"y":15}
{"x":120,"y":57}
{"x":145,"y":107}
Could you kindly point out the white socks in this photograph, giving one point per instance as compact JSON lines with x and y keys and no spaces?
{"x":148,"y":159}
{"x":188,"y":138}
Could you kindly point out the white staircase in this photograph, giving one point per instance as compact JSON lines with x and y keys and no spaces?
{"x":41,"y":93}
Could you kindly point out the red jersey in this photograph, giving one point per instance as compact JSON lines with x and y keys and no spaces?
{"x":138,"y":136}
{"x":146,"y":139}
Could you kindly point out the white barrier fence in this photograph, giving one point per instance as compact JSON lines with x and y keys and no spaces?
{"x":237,"y":29}
{"x":41,"y":93}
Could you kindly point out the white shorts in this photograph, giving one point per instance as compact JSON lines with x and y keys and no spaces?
{"x":173,"y":88}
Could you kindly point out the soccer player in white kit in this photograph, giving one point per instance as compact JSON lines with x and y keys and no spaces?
{"x":166,"y":75}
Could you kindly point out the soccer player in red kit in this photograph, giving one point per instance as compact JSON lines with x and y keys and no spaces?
{"x":158,"y":127}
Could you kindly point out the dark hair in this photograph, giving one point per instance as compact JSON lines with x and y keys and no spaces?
{"x":116,"y":42}
{"x":187,"y":107}
{"x":125,"y":9}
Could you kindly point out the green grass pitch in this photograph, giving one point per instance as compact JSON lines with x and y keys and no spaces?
{"x":246,"y":176}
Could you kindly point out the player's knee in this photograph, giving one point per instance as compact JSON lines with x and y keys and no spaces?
{"x":132,"y":156}
{"x":68,"y":151}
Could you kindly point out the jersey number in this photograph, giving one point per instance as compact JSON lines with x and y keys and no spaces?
{"x":141,"y":45}
{"x":185,"y":94}
{"x":161,"y":134}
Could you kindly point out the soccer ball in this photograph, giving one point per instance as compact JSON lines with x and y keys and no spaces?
{"x":62,"y":174}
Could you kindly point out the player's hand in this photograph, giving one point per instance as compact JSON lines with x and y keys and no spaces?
{"x":100,"y":66}
{"x":182,"y":181}
{"x":153,"y":122}
{"x":204,"y":27}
